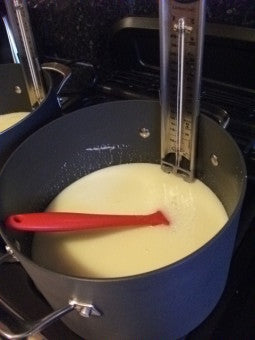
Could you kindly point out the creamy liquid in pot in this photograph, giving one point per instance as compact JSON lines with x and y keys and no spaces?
{"x":9,"y":119}
{"x":196,"y":215}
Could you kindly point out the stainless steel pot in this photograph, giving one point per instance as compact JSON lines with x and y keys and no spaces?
{"x":163,"y":304}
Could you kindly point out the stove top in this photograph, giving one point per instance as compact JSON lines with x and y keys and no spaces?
{"x":135,"y":77}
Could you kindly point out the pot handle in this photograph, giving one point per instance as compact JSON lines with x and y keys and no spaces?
{"x":8,"y":256}
{"x":62,"y":69}
{"x":215,"y":112}
{"x":84,"y":309}
{"x":5,"y":258}
{"x":36,"y":326}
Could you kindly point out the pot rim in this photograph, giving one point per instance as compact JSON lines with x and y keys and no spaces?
{"x":155,"y":271}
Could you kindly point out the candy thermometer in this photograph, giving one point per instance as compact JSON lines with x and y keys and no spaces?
{"x":181,"y":46}
{"x":20,"y":24}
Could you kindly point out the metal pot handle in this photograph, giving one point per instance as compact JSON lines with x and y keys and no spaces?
{"x":5,"y":258}
{"x":215,"y":112}
{"x":62,"y":69}
{"x":8,"y":256}
{"x":84,"y":309}
{"x":36,"y":326}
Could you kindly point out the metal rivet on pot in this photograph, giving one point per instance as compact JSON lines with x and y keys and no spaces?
{"x":144,"y":132}
{"x":17,"y":90}
{"x":214,"y":160}
{"x":85,"y":312}
{"x":9,"y":250}
{"x":85,"y":309}
{"x":12,"y":258}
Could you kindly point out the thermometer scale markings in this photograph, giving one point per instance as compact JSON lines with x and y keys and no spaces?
{"x":182,"y":33}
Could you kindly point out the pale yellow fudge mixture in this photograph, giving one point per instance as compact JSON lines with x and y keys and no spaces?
{"x":194,"y":211}
{"x":9,"y":119}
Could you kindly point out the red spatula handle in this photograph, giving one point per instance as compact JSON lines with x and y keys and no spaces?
{"x":62,"y":221}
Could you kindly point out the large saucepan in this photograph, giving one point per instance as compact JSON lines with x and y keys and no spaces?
{"x":162,"y":304}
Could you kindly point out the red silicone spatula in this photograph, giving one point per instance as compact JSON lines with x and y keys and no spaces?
{"x":62,"y":221}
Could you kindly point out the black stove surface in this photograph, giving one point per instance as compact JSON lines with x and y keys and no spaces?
{"x":234,"y":316}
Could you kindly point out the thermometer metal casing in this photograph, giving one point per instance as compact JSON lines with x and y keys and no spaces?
{"x":181,"y":48}
{"x":27,"y":54}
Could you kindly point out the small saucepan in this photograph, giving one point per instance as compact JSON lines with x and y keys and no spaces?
{"x":14,"y":98}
